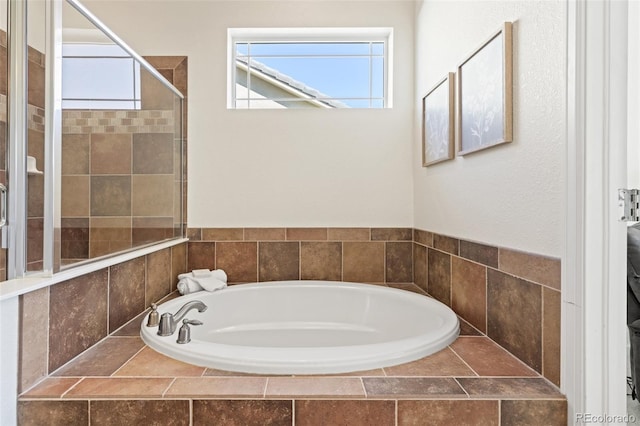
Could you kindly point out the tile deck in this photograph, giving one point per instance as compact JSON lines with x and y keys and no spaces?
{"x":473,"y":368}
{"x":122,"y":366}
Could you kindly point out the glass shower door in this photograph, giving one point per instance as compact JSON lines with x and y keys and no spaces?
{"x":3,"y":127}
{"x":35,"y":134}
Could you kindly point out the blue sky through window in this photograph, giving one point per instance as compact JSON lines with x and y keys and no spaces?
{"x":351,"y":72}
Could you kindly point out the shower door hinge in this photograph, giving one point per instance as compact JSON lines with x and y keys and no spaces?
{"x":4,"y":237}
{"x":629,"y":203}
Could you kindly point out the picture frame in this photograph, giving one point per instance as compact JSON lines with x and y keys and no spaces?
{"x":438,"y":122}
{"x":484,"y":113}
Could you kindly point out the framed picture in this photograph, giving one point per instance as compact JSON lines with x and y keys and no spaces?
{"x":484,"y":113}
{"x":438,"y":135}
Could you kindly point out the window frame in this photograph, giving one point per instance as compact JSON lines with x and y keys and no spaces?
{"x":309,"y":35}
{"x":105,"y":103}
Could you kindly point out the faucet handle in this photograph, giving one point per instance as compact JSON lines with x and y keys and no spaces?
{"x":166,"y":326}
{"x":184,"y":334}
{"x":154,"y":316}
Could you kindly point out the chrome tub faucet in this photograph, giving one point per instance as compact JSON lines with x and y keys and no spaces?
{"x":169,"y":322}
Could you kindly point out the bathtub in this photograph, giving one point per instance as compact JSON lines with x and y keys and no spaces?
{"x":307,"y":327}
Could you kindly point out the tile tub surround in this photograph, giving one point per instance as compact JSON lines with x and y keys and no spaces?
{"x":486,"y":272}
{"x":121,"y":381}
{"x":512,"y":296}
{"x":60,"y":322}
{"x":369,"y":255}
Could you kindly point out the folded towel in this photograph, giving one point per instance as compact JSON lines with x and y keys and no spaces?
{"x":187,"y":285}
{"x":219,"y":274}
{"x":202,"y":279}
{"x":201,"y":273}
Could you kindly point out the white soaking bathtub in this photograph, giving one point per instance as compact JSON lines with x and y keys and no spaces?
{"x":307,"y":327}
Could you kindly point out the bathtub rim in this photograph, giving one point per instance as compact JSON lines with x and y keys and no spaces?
{"x":308,"y":360}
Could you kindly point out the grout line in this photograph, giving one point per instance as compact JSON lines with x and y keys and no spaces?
{"x":513,"y":356}
{"x":364,"y":389}
{"x":396,"y":413}
{"x":146,"y":278}
{"x":431,"y":376}
{"x":486,"y":300}
{"x":413,"y":261}
{"x":48,"y":338}
{"x":384,"y":260}
{"x":108,"y":302}
{"x":463,"y":360}
{"x":169,"y":387}
{"x":341,"y":260}
{"x":426,"y":260}
{"x":462,"y":387}
{"x":127,"y":361}
{"x":299,"y":260}
{"x":74,"y":385}
{"x":450,"y":281}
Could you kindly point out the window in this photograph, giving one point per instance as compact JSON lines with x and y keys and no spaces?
{"x":99,"y":76}
{"x":309,"y":68}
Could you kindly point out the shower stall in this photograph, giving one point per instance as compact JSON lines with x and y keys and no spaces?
{"x":91,"y":142}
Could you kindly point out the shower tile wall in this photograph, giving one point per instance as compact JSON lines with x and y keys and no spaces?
{"x":106,"y":183}
{"x":35,"y":148}
{"x":174,"y":69}
{"x":120,"y":173}
{"x":61,"y":321}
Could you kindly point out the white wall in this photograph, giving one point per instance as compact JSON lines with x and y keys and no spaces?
{"x":633,"y":141}
{"x":281,"y":167}
{"x":9,"y":330}
{"x":510,"y":195}
{"x":36,"y":24}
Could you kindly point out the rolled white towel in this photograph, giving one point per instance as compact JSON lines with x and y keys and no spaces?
{"x":187,"y":285}
{"x":219,"y":274}
{"x":201,"y":279}
{"x":204,"y":273}
{"x":197,"y":273}
{"x":211,"y":283}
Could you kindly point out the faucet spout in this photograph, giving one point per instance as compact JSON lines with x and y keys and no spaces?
{"x":169,"y":322}
{"x":194,"y":304}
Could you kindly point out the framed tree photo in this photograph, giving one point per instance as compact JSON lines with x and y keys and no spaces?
{"x":438,"y":134}
{"x":485,"y":86}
